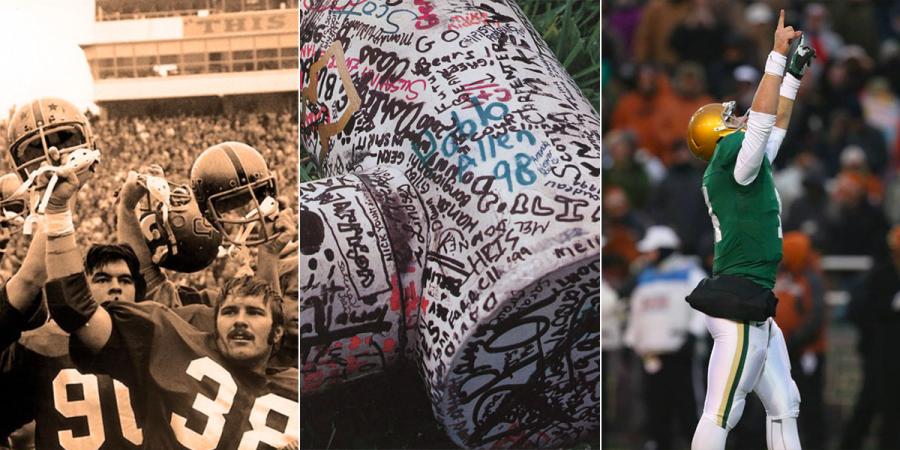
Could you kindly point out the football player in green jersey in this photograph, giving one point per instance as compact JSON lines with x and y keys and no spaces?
{"x":749,"y":353}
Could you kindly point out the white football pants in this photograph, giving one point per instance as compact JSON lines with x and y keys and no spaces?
{"x":748,"y":357}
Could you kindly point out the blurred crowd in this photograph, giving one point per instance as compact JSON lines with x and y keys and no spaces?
{"x":173,"y":143}
{"x":836,"y":173}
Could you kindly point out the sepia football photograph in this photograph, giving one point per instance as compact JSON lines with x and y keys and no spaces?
{"x":148,"y":224}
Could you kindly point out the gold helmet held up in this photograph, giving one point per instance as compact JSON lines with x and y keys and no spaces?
{"x":43,"y":123}
{"x":709,"y":125}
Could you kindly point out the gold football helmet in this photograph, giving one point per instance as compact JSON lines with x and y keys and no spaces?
{"x":709,"y":125}
{"x":41,"y":124}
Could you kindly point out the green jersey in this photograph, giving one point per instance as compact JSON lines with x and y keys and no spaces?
{"x":746,"y":219}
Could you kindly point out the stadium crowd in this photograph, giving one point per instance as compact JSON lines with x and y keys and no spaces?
{"x":837,"y":173}
{"x":128,"y":143}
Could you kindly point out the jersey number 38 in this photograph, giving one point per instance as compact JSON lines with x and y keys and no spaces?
{"x":216,"y":408}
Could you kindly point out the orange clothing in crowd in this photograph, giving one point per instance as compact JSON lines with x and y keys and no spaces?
{"x":795,"y":304}
{"x":795,"y":291}
{"x":676,"y":114}
{"x":871,"y":183}
{"x":645,"y":116}
{"x":658,"y":21}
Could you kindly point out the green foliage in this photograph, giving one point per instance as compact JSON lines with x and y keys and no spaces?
{"x":572,"y":30}
{"x":308,"y":169}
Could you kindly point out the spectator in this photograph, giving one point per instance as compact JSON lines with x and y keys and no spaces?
{"x":808,"y":213}
{"x":848,"y":127}
{"x":789,"y":181}
{"x":759,"y":17}
{"x":746,"y":78}
{"x":819,"y":33}
{"x":623,"y":19}
{"x":892,"y":200}
{"x":853,"y":225}
{"x":662,"y":330}
{"x":735,"y":53}
{"x":625,"y":170}
{"x":875,"y":311}
{"x":678,"y":201}
{"x":658,"y":20}
{"x":622,"y":225}
{"x":889,"y":63}
{"x":676,"y":111}
{"x":801,"y":315}
{"x":881,"y":109}
{"x":641,"y":109}
{"x":613,"y":313}
{"x":853,"y":160}
{"x":698,"y":38}
{"x":855,"y":20}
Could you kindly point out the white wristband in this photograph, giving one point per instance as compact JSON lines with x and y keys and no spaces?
{"x":789,"y":86}
{"x":775,"y":64}
{"x":59,"y":224}
{"x":33,"y":223}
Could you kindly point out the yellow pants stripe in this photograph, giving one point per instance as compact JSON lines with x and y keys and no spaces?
{"x":734,"y":377}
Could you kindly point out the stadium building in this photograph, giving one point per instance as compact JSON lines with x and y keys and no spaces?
{"x":161,"y":57}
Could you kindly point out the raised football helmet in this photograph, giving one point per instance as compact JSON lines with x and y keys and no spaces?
{"x":178,"y":236}
{"x":710,"y":124}
{"x":42,"y":124}
{"x":13,"y":208}
{"x":236,"y":192}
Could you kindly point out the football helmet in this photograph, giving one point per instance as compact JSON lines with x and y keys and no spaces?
{"x":13,"y":208}
{"x":178,"y":236}
{"x":236,"y":192}
{"x":44,"y":123}
{"x":709,"y":125}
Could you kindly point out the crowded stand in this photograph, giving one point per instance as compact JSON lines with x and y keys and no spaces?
{"x":129,"y":143}
{"x":838,"y":178}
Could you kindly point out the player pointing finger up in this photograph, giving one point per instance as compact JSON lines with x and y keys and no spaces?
{"x":749,"y":353}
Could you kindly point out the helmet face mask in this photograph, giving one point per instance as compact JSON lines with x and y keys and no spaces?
{"x":12,"y":215}
{"x":38,"y":126}
{"x":236,"y":193}
{"x":13,"y":208}
{"x":709,"y":125}
{"x":180,"y":195}
{"x":181,"y":240}
{"x":246,"y":206}
{"x":729,"y":118}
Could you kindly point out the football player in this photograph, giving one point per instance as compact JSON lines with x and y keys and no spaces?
{"x":177,"y":238}
{"x":13,"y":210}
{"x":287,"y":355}
{"x":181,"y":239}
{"x":72,"y":409}
{"x":237,"y":194}
{"x":749,"y":353}
{"x":19,"y":312}
{"x":197,"y":390}
{"x":40,"y":132}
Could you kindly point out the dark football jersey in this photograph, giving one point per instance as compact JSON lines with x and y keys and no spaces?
{"x":193,"y":399}
{"x":13,"y":322}
{"x":71,"y":410}
{"x":202,"y":317}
